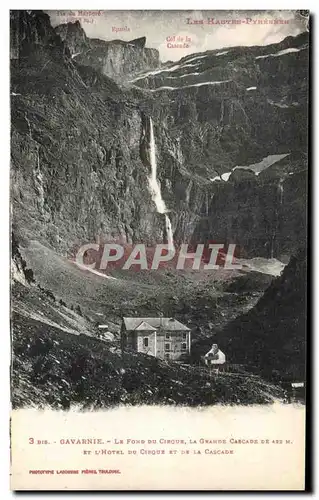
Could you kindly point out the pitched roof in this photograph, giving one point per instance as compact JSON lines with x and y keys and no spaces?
{"x":160,"y":323}
{"x":144,"y":326}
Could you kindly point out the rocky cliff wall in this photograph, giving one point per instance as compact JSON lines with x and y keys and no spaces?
{"x":114,"y":58}
{"x":78,"y":173}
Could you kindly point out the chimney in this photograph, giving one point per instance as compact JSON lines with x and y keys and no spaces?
{"x":161,"y":319}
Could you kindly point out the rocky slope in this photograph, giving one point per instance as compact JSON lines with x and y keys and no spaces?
{"x":58,"y":359}
{"x":54,"y":367}
{"x":271,"y":337}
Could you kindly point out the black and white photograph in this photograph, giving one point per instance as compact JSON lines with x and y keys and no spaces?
{"x":158,"y":193}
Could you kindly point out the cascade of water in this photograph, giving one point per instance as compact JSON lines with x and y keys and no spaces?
{"x":156,"y":189}
{"x":280,"y":195}
{"x":272,"y":246}
{"x":281,"y":191}
{"x":169,"y":231}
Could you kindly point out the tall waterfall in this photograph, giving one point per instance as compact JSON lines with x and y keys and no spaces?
{"x":281,"y":191}
{"x":156,"y":189}
{"x":169,"y":231}
{"x":280,"y":195}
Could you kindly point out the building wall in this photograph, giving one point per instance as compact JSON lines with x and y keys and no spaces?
{"x":151,"y":341}
{"x":131,"y":341}
{"x":157,"y":342}
{"x":128,"y":339}
{"x":174,"y":340}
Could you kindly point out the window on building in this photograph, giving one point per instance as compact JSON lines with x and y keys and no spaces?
{"x":184,"y":346}
{"x":166,"y":356}
{"x":146,"y":342}
{"x":167,"y":347}
{"x":167,"y":335}
{"x":184,"y":335}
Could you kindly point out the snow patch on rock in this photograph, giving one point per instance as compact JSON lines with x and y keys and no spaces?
{"x":280,"y":53}
{"x":190,"y":86}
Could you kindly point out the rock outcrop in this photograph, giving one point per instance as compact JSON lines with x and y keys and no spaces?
{"x":31,"y":32}
{"x":139,"y":42}
{"x":114,"y":58}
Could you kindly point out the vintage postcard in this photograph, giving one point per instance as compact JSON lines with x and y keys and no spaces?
{"x":159,"y":242}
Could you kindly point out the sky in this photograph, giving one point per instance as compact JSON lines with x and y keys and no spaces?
{"x":160,"y":26}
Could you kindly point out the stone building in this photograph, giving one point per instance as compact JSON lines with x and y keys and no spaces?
{"x":164,"y":338}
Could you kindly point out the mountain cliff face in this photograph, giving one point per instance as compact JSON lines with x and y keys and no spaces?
{"x":115,"y":58}
{"x":78,"y":170}
{"x":265,"y":214}
{"x":224,"y":109}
